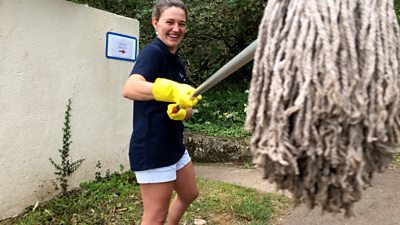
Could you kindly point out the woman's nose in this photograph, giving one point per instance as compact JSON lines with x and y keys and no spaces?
{"x":175,"y":27}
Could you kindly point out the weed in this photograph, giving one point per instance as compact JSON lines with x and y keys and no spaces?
{"x":396,"y":161}
{"x":116,"y":200}
{"x":97,"y":174}
{"x":66,"y":167}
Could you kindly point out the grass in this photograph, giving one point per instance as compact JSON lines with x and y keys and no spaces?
{"x":116,"y":200}
{"x":396,"y":161}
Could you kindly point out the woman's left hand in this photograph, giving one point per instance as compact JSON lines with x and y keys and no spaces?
{"x":177,"y":113}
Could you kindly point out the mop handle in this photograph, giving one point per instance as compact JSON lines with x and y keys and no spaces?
{"x":236,"y":63}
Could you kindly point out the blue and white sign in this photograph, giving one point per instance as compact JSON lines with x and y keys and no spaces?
{"x":120,"y":46}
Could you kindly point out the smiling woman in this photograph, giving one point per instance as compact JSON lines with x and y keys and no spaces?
{"x":157,"y":153}
{"x":170,"y":25}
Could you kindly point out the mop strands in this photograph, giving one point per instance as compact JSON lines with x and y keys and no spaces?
{"x":324,"y":98}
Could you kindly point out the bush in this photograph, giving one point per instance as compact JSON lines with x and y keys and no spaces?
{"x":217,"y":31}
{"x":221,"y":112}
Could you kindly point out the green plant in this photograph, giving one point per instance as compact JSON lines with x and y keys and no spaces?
{"x":97,"y":174}
{"x":66,"y":167}
{"x":217,"y":31}
{"x":396,"y":160}
{"x":397,"y":8}
{"x":117,"y":200}
{"x":108,"y":173}
{"x":221,"y":112}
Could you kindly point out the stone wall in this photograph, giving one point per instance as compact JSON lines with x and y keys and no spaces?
{"x":203,"y":148}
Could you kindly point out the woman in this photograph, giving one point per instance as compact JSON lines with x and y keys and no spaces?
{"x":157,"y":153}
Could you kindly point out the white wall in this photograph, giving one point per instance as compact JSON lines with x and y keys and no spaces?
{"x":52,"y":50}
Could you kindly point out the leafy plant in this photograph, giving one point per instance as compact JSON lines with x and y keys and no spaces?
{"x":217,"y":31}
{"x":97,"y":174}
{"x":108,"y":173}
{"x":117,"y":200}
{"x":221,"y":112}
{"x":397,"y":8}
{"x":396,"y":160}
{"x":66,"y":167}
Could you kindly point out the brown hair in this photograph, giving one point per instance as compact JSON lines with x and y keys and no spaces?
{"x":162,"y":5}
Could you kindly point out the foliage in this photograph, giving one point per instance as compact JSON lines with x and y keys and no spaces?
{"x":137,"y":9}
{"x":107,"y":175}
{"x":66,"y":168}
{"x":97,"y":174}
{"x":397,"y":8}
{"x":396,"y":161}
{"x":221,"y":112}
{"x":217,"y":31}
{"x":116,"y":200}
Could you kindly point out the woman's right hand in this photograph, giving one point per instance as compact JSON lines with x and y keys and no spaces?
{"x":170,"y":91}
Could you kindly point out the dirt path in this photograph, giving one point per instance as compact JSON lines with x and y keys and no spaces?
{"x":380,"y":203}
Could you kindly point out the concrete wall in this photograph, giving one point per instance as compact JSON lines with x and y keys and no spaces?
{"x":50,"y":51}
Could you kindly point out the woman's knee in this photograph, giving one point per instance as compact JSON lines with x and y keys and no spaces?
{"x":195,"y":194}
{"x":190,"y":196}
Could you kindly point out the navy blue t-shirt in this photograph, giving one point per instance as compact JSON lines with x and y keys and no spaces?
{"x":156,"y":140}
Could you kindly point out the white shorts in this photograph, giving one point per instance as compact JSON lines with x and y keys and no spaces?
{"x":162,"y":174}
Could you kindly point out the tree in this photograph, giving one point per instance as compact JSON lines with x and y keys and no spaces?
{"x":217,"y":31}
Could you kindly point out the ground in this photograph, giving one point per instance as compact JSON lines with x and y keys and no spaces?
{"x":380,"y":204}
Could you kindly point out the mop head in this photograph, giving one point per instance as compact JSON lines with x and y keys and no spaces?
{"x":324,"y":98}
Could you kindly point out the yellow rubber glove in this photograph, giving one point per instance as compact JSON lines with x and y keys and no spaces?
{"x":170,"y":91}
{"x":175,"y":112}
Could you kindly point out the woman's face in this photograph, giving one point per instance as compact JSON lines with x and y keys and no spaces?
{"x":171,"y":27}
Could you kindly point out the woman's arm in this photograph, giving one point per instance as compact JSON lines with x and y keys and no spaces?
{"x":137,"y":88}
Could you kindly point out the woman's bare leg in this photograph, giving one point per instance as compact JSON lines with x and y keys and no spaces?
{"x":186,"y":192}
{"x":156,"y":198}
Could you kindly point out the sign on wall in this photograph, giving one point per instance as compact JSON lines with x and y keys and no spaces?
{"x":120,"y":46}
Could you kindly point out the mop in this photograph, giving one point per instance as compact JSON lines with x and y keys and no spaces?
{"x":324,"y":99}
{"x":323,"y":106}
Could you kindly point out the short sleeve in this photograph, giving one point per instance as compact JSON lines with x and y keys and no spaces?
{"x":148,"y":63}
